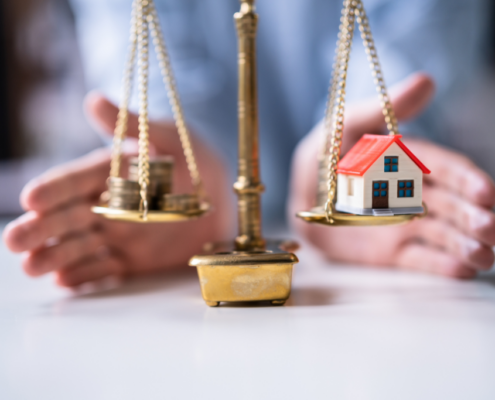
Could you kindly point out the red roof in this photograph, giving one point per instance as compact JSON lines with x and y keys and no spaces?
{"x":369,"y":148}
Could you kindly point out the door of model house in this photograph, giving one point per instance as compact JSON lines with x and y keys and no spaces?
{"x":380,"y":194}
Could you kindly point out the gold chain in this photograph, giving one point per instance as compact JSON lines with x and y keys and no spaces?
{"x":336,"y":115}
{"x":369,"y":44}
{"x":123,"y":116}
{"x":145,"y":20}
{"x":143,"y":66}
{"x":173,"y":95}
{"x":334,"y":118}
{"x":333,"y":87}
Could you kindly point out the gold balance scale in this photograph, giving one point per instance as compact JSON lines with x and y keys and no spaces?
{"x":250,"y":268}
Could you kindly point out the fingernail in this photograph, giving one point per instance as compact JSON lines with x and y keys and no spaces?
{"x":469,"y":247}
{"x":51,"y":242}
{"x":483,"y":226}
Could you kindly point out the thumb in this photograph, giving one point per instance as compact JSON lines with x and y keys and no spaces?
{"x":102,"y":114}
{"x":409,"y":97}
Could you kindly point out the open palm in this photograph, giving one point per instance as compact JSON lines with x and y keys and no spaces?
{"x":455,"y":239}
{"x":59,"y":233}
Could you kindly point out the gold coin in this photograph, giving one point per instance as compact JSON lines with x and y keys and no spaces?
{"x":179,"y":202}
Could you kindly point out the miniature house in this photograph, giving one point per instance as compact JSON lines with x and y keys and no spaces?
{"x":380,"y":176}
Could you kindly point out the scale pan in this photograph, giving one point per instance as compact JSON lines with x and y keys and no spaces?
{"x":318,"y":216}
{"x":153,"y":216}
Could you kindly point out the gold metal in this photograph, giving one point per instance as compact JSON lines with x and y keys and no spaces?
{"x":252,"y":270}
{"x":248,"y":186}
{"x":143,"y":67}
{"x":123,"y":116}
{"x":231,"y":276}
{"x":328,"y":160}
{"x":318,"y":215}
{"x":173,"y":95}
{"x":152,"y":216}
{"x":143,"y":22}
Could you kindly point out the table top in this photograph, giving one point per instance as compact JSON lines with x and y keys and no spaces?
{"x":346,"y":333}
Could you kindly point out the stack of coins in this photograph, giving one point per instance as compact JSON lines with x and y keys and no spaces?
{"x":161,"y":174}
{"x":179,"y":202}
{"x":123,"y":194}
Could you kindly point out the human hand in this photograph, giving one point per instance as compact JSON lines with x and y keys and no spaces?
{"x":60,"y":234}
{"x":456,"y":237}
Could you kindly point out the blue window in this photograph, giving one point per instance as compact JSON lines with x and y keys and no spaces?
{"x":384,"y":193}
{"x":391,"y":164}
{"x":384,"y":185}
{"x":376,"y":185}
{"x":376,"y":193}
{"x":405,"y":189}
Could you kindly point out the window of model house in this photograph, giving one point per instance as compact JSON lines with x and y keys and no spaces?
{"x":405,"y":189}
{"x":391,"y":164}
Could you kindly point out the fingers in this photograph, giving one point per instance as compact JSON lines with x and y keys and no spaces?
{"x":411,"y":96}
{"x":468,"y":251}
{"x":91,"y":270}
{"x":104,"y":114}
{"x":82,"y":178}
{"x":408,"y":98}
{"x":419,"y":257}
{"x":32,"y":230}
{"x":62,"y":255}
{"x":474,"y":221}
{"x":455,"y":172}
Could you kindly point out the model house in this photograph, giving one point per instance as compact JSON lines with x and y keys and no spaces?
{"x":380,"y":176}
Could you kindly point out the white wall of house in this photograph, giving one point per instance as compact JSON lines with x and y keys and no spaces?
{"x":408,"y":170}
{"x":360,"y":196}
{"x":350,"y":190}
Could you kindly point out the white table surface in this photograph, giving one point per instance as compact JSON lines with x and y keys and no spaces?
{"x":346,"y":333}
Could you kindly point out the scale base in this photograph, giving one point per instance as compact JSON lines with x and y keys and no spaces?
{"x":153,"y":216}
{"x":318,"y":215}
{"x":246,"y":276}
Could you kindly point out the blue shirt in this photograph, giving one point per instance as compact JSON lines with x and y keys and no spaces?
{"x":296,"y":44}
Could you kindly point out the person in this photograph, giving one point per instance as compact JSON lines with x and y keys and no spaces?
{"x":41,"y":90}
{"x":59,"y":234}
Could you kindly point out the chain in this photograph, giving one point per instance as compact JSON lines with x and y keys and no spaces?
{"x":334,"y":118}
{"x":143,"y":64}
{"x":143,"y":22}
{"x":337,"y":113}
{"x":333,"y":88}
{"x":369,"y":44}
{"x":123,"y":116}
{"x":324,"y":158}
{"x":173,"y":95}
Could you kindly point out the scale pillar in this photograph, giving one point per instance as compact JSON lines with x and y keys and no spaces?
{"x":253,"y":269}
{"x":248,"y":186}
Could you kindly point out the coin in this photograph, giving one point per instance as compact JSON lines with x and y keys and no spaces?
{"x":123,"y":194}
{"x":178,"y":202}
{"x":161,"y":174}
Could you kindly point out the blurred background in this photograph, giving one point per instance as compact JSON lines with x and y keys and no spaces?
{"x":41,"y":93}
{"x":42,"y":86}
